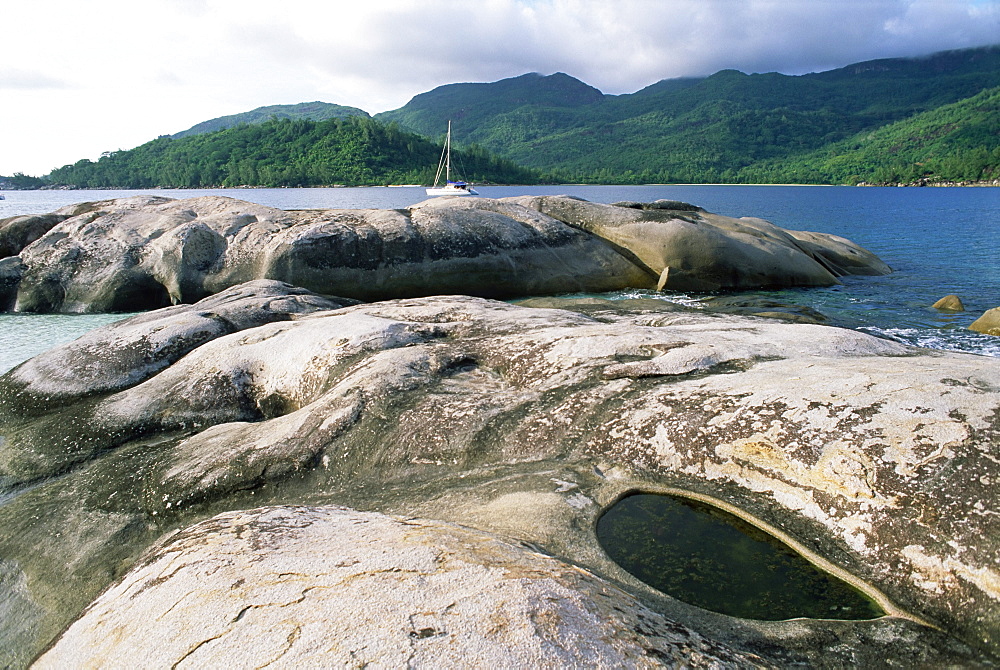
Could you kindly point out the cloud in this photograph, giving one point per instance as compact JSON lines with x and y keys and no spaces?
{"x":28,"y":80}
{"x":619,"y":47}
{"x":126,"y":72}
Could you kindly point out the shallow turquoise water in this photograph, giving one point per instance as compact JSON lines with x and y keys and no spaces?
{"x":937,"y":240}
{"x":26,"y":335}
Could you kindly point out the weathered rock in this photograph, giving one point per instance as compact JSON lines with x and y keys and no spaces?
{"x":11,"y":270}
{"x":699,"y":251}
{"x":950,"y":303}
{"x":331,"y":587}
{"x":988,"y":323}
{"x":17,"y":232}
{"x":675,"y":205}
{"x":527,"y":423}
{"x":148,"y":252}
{"x":145,"y":344}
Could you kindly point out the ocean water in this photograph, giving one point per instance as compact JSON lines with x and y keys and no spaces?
{"x":937,"y":240}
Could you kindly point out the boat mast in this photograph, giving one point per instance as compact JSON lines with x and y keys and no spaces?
{"x":445,"y":161}
{"x":447,"y":144}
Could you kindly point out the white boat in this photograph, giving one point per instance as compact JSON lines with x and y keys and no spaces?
{"x":450,"y":187}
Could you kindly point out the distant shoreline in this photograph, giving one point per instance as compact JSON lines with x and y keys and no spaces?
{"x":917,"y":184}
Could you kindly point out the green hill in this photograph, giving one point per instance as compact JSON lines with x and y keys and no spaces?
{"x":508,"y":111}
{"x":313,"y":111}
{"x":693,"y":130}
{"x":352,"y":150}
{"x":956,"y":142}
{"x":886,"y":120}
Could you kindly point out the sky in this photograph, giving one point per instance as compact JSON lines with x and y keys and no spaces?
{"x":81,"y":77}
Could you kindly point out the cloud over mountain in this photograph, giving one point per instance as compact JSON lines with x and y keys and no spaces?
{"x":133,"y":71}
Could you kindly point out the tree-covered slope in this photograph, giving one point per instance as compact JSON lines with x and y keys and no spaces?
{"x":20,"y":181}
{"x":956,"y":142}
{"x":729,"y":127}
{"x":313,"y":111}
{"x":500,"y":112}
{"x":694,"y":129}
{"x":353,"y":151}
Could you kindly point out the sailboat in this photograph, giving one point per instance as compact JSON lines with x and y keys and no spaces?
{"x":450,"y":187}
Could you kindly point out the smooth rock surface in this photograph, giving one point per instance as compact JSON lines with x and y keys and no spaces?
{"x":988,"y":323}
{"x":17,"y":232}
{"x":147,"y":252}
{"x":950,"y":303}
{"x":527,"y":423}
{"x":332,"y":587}
{"x":699,"y":251}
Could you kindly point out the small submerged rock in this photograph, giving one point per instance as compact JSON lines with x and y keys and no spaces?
{"x":949,"y":303}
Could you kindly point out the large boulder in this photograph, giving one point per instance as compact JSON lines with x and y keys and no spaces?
{"x":385,"y":592}
{"x":147,"y":252}
{"x":688,"y":249}
{"x":988,"y":323}
{"x":17,"y":232}
{"x":525,"y":422}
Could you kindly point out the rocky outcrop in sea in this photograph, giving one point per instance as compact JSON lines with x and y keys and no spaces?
{"x":247,"y":467}
{"x":148,"y":252}
{"x":988,"y":323}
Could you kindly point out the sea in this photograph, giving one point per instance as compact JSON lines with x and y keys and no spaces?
{"x":938,"y":241}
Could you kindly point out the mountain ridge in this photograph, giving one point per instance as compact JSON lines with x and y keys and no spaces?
{"x":313,"y":111}
{"x":724,"y":127}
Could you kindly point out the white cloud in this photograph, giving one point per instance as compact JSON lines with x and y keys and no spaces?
{"x":27,"y":80}
{"x":86,"y":77}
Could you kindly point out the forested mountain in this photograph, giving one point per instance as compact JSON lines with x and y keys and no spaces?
{"x":956,"y":142}
{"x":886,"y":120}
{"x":312,"y":111}
{"x":352,"y":150}
{"x":501,"y":113}
{"x":693,"y":130}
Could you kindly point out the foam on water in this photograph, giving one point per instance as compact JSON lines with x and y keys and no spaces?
{"x":968,"y":342}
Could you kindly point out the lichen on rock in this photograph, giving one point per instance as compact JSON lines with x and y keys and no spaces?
{"x":147,"y":252}
{"x":523,"y":422}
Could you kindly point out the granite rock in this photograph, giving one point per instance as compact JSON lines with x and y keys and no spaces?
{"x":147,"y":252}
{"x":527,"y":422}
{"x":333,"y":587}
{"x":988,"y":323}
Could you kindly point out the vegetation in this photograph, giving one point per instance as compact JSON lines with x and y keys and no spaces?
{"x":21,"y":182}
{"x":957,"y":142}
{"x":885,"y":121}
{"x":312,"y":111}
{"x":713,"y":129}
{"x":352,"y":150}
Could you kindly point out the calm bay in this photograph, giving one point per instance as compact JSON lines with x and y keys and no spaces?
{"x":937,"y":240}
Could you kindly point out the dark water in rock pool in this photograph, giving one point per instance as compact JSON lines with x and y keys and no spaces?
{"x":937,"y":240}
{"x":709,"y":558}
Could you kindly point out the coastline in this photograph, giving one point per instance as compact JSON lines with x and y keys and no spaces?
{"x":244,"y":187}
